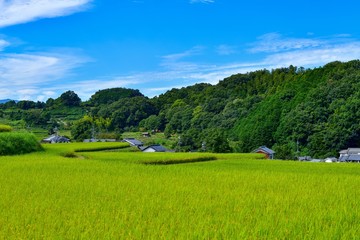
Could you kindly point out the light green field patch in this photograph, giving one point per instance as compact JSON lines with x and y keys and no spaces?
{"x":107,"y":196}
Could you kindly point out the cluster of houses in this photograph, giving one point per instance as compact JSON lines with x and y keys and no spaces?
{"x":140,"y":145}
{"x":346,"y":155}
{"x":132,"y":141}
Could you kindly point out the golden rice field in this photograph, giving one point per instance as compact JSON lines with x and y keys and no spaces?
{"x":117,"y":195}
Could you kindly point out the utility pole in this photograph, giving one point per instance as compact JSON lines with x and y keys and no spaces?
{"x":297,"y":147}
{"x":203,"y":146}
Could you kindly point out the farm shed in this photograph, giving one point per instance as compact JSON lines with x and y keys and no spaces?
{"x":269,"y":153}
{"x":154,"y":148}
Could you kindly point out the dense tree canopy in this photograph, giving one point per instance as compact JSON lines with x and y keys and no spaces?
{"x":108,"y":96}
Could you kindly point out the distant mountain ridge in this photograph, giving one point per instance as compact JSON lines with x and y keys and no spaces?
{"x":6,"y":100}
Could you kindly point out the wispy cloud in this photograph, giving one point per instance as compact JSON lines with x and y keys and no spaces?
{"x":274,"y":42}
{"x":36,"y":76}
{"x":197,"y":50}
{"x":202,"y":1}
{"x":316,"y":57}
{"x":34,"y":68}
{"x":21,"y":72}
{"x":180,"y":74}
{"x":14,"y":12}
{"x":181,"y":60}
{"x":3,"y":44}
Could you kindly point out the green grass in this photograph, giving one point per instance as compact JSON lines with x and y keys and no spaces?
{"x":108,"y":195}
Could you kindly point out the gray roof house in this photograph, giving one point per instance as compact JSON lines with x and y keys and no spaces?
{"x":269,"y":153}
{"x":154,"y":148}
{"x":133,"y":142}
{"x":56,"y":139}
{"x":350,"y":155}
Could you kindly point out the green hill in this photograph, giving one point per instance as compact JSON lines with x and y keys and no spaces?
{"x":294,"y":110}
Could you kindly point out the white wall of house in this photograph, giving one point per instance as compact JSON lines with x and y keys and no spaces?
{"x":149,"y":150}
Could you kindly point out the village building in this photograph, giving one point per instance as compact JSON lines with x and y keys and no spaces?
{"x":269,"y":153}
{"x":350,"y":155}
{"x":55,"y":139}
{"x":154,"y":148}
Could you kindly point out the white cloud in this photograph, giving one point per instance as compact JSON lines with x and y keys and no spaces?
{"x":3,"y":44}
{"x":35,"y":68}
{"x":14,"y":12}
{"x":274,"y":42}
{"x":202,"y":1}
{"x":197,"y":50}
{"x":316,"y":57}
{"x":36,"y":76}
{"x":180,"y":74}
{"x":27,"y":75}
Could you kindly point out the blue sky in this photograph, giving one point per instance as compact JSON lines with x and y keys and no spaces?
{"x":50,"y":46}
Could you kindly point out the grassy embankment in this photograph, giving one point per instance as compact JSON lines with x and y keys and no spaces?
{"x":106,"y":195}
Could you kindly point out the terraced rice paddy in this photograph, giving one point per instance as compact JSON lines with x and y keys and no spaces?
{"x":113,"y":195}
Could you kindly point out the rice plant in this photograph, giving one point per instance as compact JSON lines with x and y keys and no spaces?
{"x":108,"y":195}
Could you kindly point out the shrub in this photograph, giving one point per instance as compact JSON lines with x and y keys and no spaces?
{"x":178,"y":161}
{"x":70,"y":155}
{"x":5,"y":128}
{"x":18,"y":143}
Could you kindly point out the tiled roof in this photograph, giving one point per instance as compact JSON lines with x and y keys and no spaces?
{"x":133,"y":141}
{"x":265,"y":149}
{"x":157,"y":148}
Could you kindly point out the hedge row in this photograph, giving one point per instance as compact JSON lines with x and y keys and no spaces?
{"x":18,"y":143}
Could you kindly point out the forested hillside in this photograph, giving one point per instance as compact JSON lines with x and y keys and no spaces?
{"x":295,"y":111}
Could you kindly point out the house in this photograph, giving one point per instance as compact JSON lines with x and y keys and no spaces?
{"x":269,"y":154}
{"x":154,"y":148}
{"x":133,"y":142}
{"x":55,"y":139}
{"x":350,"y":158}
{"x":350,"y":155}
